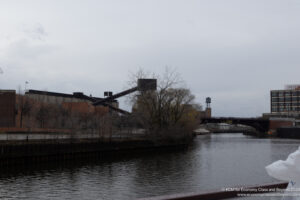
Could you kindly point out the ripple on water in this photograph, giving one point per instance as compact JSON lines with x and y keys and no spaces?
{"x":212,"y":162}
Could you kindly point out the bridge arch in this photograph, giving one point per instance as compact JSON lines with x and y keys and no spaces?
{"x":260,"y":124}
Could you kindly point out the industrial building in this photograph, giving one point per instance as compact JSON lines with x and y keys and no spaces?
{"x":12,"y":105}
{"x":15,"y":107}
{"x":59,"y":98}
{"x":7,"y":108}
{"x":286,"y":102}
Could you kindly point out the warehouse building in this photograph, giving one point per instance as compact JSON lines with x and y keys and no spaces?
{"x":59,"y":98}
{"x":12,"y":105}
{"x":7,"y":108}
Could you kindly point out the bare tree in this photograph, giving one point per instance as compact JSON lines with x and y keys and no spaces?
{"x":42,"y":114}
{"x":64,"y":115}
{"x":24,"y":106}
{"x":166,"y":111}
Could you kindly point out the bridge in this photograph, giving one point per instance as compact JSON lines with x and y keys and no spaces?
{"x":260,"y":124}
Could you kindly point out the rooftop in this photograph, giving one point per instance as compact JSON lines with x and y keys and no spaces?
{"x":78,"y":95}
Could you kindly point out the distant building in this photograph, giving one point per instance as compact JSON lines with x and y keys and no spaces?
{"x":286,"y":102}
{"x":13,"y":106}
{"x":7,"y":108}
{"x":60,"y":98}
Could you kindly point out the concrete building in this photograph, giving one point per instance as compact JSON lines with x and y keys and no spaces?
{"x":286,"y":102}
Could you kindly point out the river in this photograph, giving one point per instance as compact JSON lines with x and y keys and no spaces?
{"x":211,"y":162}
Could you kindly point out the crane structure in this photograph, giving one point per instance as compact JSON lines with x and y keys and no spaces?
{"x":142,"y":85}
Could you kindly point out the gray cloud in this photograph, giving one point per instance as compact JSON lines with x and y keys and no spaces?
{"x":234,"y":51}
{"x":35,"y":32}
{"x":24,"y":49}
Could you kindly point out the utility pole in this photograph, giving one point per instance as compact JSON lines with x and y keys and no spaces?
{"x":26,"y":83}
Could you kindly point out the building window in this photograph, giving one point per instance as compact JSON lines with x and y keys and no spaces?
{"x":281,"y":99}
{"x":275,"y":99}
{"x":274,"y":108}
{"x":287,"y":94}
{"x":274,"y":94}
{"x":287,"y":99}
{"x":280,"y":94}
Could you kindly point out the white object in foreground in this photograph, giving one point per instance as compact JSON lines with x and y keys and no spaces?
{"x":288,"y":170}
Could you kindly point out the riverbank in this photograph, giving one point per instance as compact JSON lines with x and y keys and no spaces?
{"x":18,"y":148}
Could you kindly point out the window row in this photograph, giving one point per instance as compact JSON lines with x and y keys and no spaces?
{"x":285,"y":104}
{"x":282,"y":93}
{"x":282,"y":99}
{"x":282,"y":109}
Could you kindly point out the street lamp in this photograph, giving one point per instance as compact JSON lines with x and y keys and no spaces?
{"x":26,"y":83}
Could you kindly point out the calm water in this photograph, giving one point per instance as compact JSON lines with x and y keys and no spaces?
{"x":212,"y":162}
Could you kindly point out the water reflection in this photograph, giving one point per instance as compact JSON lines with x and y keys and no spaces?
{"x":212,"y":162}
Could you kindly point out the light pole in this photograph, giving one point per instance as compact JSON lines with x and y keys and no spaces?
{"x":26,"y":83}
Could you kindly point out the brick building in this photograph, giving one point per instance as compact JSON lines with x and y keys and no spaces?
{"x":13,"y":106}
{"x":59,"y":98}
{"x":7,"y":108}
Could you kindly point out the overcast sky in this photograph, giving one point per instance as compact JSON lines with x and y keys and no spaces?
{"x":234,"y":51}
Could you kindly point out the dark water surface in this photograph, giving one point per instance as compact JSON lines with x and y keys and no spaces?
{"x":212,"y":162}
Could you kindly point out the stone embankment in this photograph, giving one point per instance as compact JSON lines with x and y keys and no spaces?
{"x":18,"y":148}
